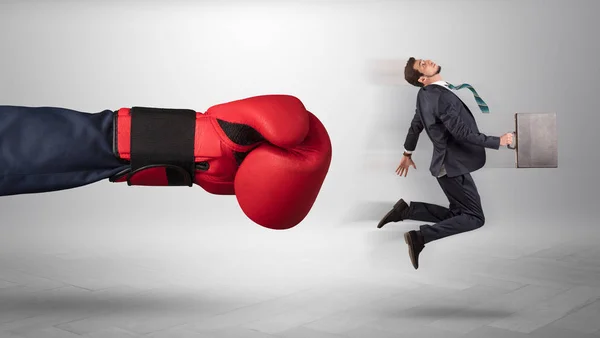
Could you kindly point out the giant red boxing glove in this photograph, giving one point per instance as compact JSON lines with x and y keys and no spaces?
{"x":267,"y":150}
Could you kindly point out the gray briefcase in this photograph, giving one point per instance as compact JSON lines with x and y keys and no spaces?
{"x":535,"y":140}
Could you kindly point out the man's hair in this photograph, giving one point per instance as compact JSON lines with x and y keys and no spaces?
{"x":411,"y":75}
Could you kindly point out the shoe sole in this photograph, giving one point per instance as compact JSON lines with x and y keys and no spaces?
{"x":411,"y":254}
{"x":379,"y":226}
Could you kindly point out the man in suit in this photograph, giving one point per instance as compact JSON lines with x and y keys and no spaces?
{"x":458,"y":150}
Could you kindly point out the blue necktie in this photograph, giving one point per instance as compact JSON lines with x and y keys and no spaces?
{"x":482,"y":105}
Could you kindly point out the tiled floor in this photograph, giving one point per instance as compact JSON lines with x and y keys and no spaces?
{"x":108,"y":276}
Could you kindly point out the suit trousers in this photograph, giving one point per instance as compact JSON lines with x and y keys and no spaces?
{"x":463,"y":214}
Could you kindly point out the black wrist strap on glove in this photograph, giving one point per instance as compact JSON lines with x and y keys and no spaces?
{"x":163,"y":138}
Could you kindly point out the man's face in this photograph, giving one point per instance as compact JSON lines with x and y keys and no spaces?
{"x":427,"y":67}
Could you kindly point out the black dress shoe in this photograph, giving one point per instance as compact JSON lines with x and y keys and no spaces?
{"x":398,"y":213}
{"x":415,"y":246}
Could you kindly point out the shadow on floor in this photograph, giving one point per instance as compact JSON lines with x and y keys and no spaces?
{"x":439,"y":312}
{"x":367,"y":211}
{"x":146,"y":303}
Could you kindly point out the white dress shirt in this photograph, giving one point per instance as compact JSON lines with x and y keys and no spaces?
{"x":445,"y":85}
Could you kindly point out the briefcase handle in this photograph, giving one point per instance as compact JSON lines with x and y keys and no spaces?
{"x":514,"y":141}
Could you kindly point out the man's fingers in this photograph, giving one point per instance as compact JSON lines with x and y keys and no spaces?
{"x":401,"y":170}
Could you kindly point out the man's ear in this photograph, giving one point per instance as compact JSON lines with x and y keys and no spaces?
{"x":423,"y":79}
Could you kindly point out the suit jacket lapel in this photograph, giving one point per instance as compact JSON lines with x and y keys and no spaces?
{"x":458,"y":98}
{"x":464,"y":105}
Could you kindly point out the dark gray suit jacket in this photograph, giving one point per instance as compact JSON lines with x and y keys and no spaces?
{"x":457,"y":142}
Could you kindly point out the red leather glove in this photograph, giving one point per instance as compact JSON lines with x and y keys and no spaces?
{"x":268,"y":151}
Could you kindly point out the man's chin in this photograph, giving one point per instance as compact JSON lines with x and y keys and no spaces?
{"x":438,"y":70}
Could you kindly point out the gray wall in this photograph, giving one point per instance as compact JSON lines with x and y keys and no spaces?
{"x":522,"y":56}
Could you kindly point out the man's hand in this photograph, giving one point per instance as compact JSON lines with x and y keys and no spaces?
{"x":404,"y":164}
{"x":506,"y":139}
